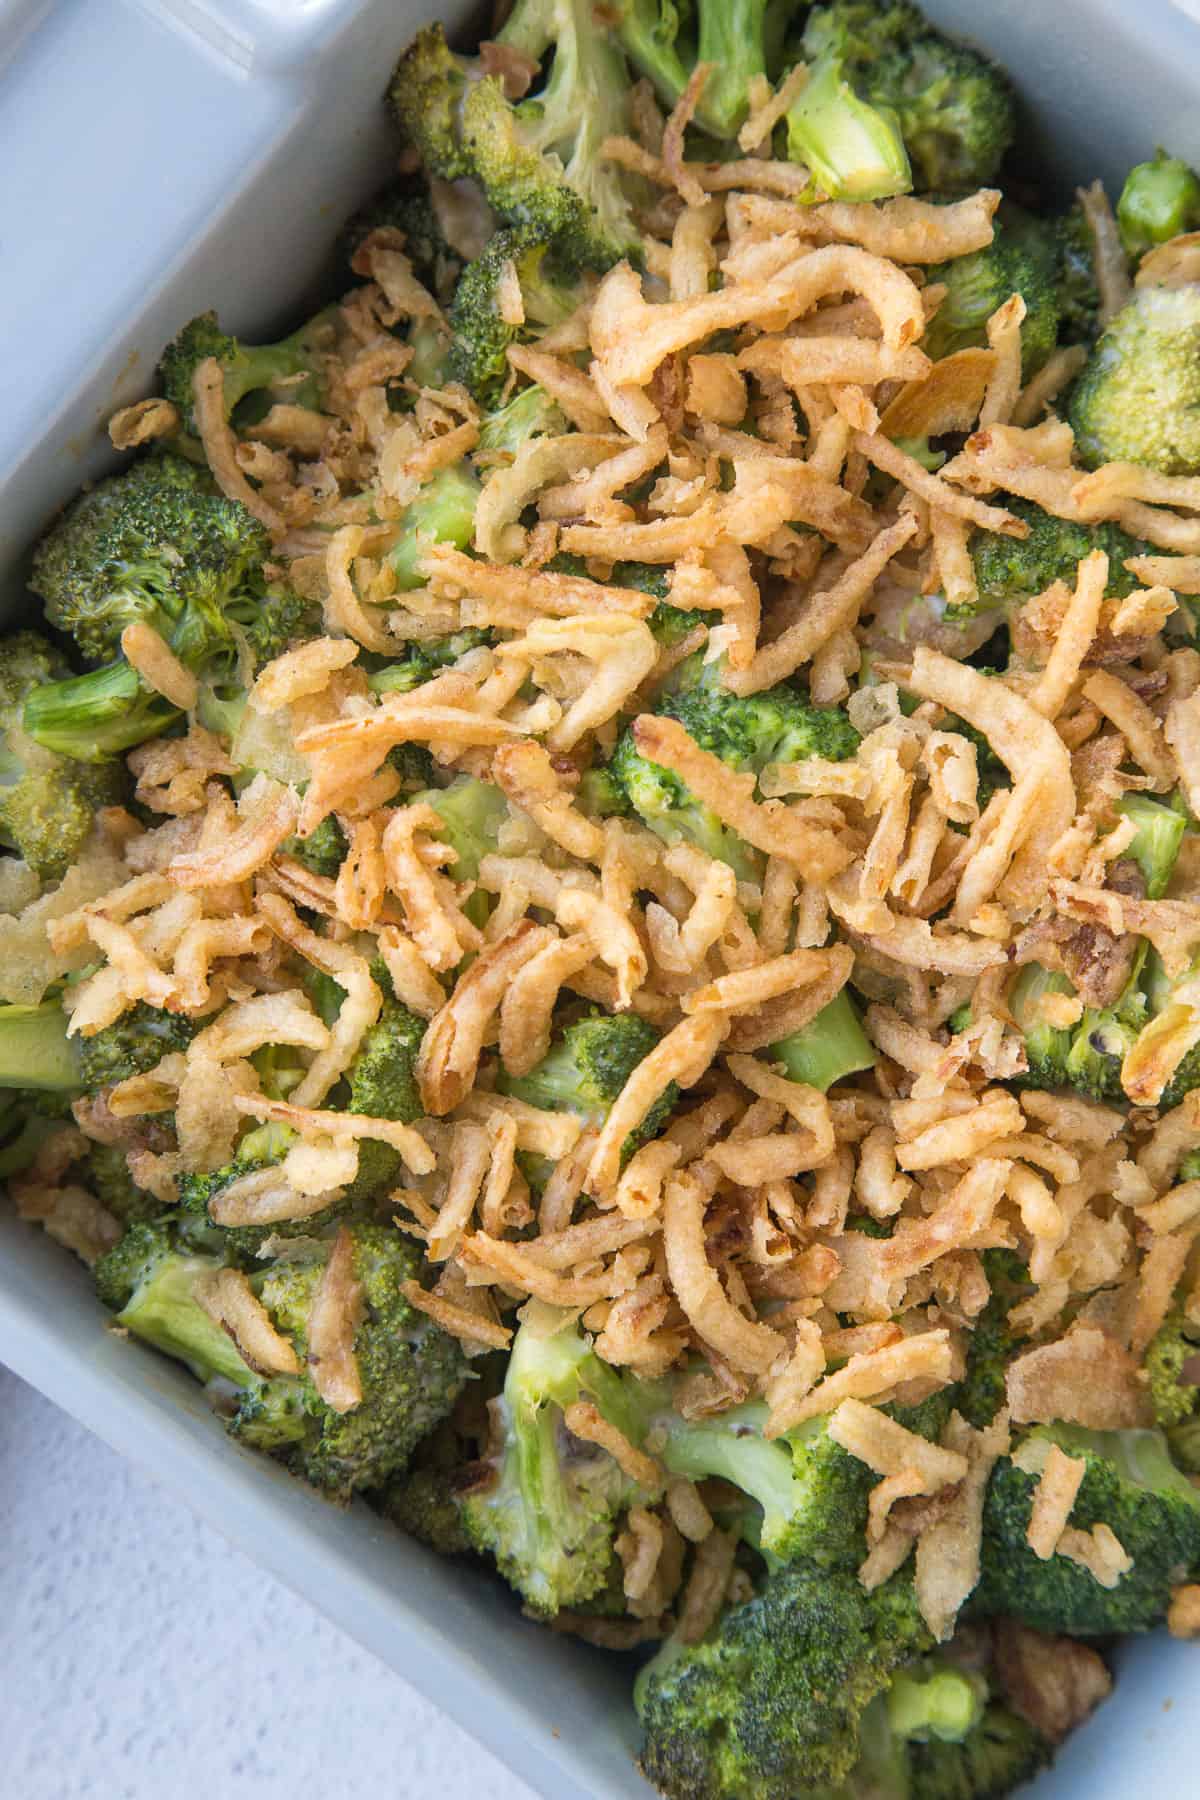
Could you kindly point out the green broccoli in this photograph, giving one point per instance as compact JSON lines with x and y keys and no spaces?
{"x":405,"y":205}
{"x":1009,"y":571}
{"x":529,"y":414}
{"x":35,"y":1051}
{"x":777,"y":725}
{"x":241,"y":1244}
{"x":134,"y":1043}
{"x":1132,"y":1486}
{"x":422,"y":1502}
{"x":998,"y":1755}
{"x":383,"y":1084}
{"x":48,"y":801}
{"x":547,"y":1508}
{"x":106,"y":1174}
{"x":545,"y":1504}
{"x":472,"y":813}
{"x":323,"y":850}
{"x":1155,"y":1006}
{"x":1138,"y":399}
{"x":1075,"y":269}
{"x":773,"y":1701}
{"x":1173,"y":1350}
{"x":810,"y":1496}
{"x":443,"y":512}
{"x":1160,"y":832}
{"x":550,"y":278}
{"x":294,"y":362}
{"x":410,"y":1371}
{"x":149,"y":1281}
{"x":1013,"y":263}
{"x":740,"y":39}
{"x":158,"y":544}
{"x":425,"y":657}
{"x":94,"y":717}
{"x":1047,"y":1046}
{"x":993,"y":1342}
{"x":853,"y":149}
{"x":886,"y":90}
{"x":1160,"y":199}
{"x":586,"y":1068}
{"x":538,"y":160}
{"x":828,"y":1049}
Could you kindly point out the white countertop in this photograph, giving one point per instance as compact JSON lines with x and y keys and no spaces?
{"x":145,"y":1659}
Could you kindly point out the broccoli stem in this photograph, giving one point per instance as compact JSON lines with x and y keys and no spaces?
{"x":94,"y":716}
{"x":946,"y":1703}
{"x":853,"y":150}
{"x":35,"y":1051}
{"x":1160,"y":832}
{"x":831,"y":1047}
{"x":442,"y":513}
{"x":1160,"y":200}
{"x":731,"y":41}
{"x":164,"y":1312}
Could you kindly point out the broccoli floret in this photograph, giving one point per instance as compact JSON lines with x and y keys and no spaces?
{"x":810,"y":1495}
{"x":777,"y":725}
{"x":94,"y":717}
{"x":897,"y":92}
{"x":383,"y":1084}
{"x":472,"y":813}
{"x":538,"y":160}
{"x":275,"y":620}
{"x":545,"y":1504}
{"x":1138,"y":399}
{"x":405,"y":205}
{"x":158,"y":544}
{"x":35,"y":1051}
{"x":242,"y":1244}
{"x":1047,"y":1046}
{"x":1011,"y":570}
{"x":738,"y":38}
{"x":1160,"y":199}
{"x":529,"y":414}
{"x":773,"y":1701}
{"x":1153,"y":1010}
{"x":1075,"y":268}
{"x":410,"y":1371}
{"x":134,"y":1043}
{"x":550,"y":281}
{"x":1160,"y":830}
{"x":992,"y":1344}
{"x":423,"y":1502}
{"x":149,"y":1281}
{"x":442,"y":513}
{"x":247,"y":368}
{"x":1173,"y":1348}
{"x":106,"y":1174}
{"x":976,"y":284}
{"x":586,"y":1068}
{"x":48,"y":801}
{"x":998,"y":1755}
{"x":424,"y":658}
{"x":853,"y":148}
{"x":323,"y":850}
{"x":830,"y":1047}
{"x":1132,"y":1486}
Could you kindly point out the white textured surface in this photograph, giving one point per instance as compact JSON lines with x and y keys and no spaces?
{"x":145,"y":1659}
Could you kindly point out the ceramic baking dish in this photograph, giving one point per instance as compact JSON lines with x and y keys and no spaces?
{"x":162,"y":156}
